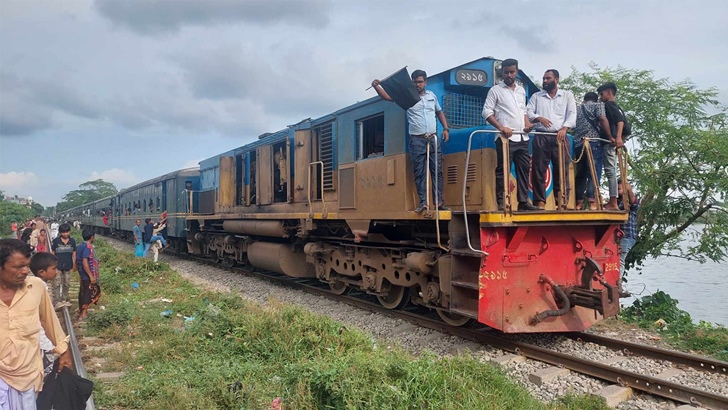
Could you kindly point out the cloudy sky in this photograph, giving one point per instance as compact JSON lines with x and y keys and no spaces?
{"x":126,"y":90}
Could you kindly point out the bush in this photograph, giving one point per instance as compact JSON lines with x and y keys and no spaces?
{"x":119,"y":315}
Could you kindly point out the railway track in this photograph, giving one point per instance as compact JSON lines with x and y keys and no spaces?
{"x":76,"y":353}
{"x":647,"y":384}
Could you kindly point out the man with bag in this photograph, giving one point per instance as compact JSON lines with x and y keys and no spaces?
{"x":25,"y":307}
{"x":617,"y":130}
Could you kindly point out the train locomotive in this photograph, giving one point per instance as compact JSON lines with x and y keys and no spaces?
{"x":333,"y":198}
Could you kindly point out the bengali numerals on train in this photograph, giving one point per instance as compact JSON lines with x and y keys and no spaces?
{"x":609,"y":267}
{"x":494,"y":275}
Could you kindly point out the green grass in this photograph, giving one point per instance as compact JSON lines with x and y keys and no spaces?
{"x":678,"y":328}
{"x":237,"y":355}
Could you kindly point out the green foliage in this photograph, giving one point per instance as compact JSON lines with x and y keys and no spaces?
{"x":118,"y":315}
{"x":679,"y":162}
{"x":216,"y":351}
{"x":659,"y":311}
{"x":10,"y":212}
{"x":88,"y":192}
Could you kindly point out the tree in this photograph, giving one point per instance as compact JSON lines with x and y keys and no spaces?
{"x":88,"y":192}
{"x":679,"y":162}
{"x":9,"y":213}
{"x":37,"y":208}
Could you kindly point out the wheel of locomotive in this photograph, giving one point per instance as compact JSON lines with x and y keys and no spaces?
{"x":397,"y":297}
{"x":339,"y":288}
{"x":453,"y":319}
{"x":229,"y":262}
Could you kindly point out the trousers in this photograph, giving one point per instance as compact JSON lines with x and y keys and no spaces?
{"x":519,"y":155}
{"x":418,"y":154}
{"x":545,"y":150}
{"x":583,"y":174}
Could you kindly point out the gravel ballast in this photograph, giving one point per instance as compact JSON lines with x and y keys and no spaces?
{"x":388,"y":331}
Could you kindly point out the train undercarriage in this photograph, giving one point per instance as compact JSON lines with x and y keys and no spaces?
{"x":515,"y":279}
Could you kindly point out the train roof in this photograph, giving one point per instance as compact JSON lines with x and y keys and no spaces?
{"x":179,"y":173}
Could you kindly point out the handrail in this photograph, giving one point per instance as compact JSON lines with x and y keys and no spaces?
{"x":436,"y":192}
{"x":324,"y":210}
{"x":76,"y":354}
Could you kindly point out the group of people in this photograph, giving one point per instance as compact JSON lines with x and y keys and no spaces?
{"x":31,"y":336}
{"x":598,"y":122}
{"x":546,"y":117}
{"x":149,"y":237}
{"x":38,"y":232}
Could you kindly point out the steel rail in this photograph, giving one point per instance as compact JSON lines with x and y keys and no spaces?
{"x":697,"y":362}
{"x":648,"y":384}
{"x":76,"y":354}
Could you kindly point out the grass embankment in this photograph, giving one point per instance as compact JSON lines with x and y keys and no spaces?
{"x":659,"y":312}
{"x":216,"y":351}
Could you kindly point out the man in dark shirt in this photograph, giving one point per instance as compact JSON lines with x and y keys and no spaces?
{"x":607,"y":92}
{"x":64,"y":247}
{"x":147,"y":235}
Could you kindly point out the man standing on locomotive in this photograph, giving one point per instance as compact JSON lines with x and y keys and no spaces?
{"x":551,"y":110}
{"x":423,"y":132}
{"x":505,"y":109}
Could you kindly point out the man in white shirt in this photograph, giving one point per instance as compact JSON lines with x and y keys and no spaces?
{"x":551,"y":110}
{"x":505,"y":109}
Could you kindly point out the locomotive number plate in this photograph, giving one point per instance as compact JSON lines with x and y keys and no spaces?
{"x":471,"y":77}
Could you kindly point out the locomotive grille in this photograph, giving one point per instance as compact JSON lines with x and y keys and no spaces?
{"x":464,"y":111}
{"x":452,"y":173}
{"x":326,"y":153}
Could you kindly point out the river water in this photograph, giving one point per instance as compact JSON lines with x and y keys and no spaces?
{"x":701,"y":289}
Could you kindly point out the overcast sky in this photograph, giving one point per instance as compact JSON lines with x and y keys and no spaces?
{"x":126,"y":90}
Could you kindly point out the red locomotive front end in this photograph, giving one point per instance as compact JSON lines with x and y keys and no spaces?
{"x":548,"y":276}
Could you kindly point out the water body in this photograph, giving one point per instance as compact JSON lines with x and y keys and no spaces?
{"x":701,"y":289}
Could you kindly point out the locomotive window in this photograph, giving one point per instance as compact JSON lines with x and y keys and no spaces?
{"x":370,"y":137}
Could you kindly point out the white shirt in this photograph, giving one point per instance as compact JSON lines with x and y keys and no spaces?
{"x":509,"y":107}
{"x":560,"y":110}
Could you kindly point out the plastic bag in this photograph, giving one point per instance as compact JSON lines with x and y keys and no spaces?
{"x":139,"y":250}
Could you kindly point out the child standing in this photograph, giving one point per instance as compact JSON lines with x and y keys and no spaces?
{"x":43,"y":265}
{"x":64,"y":247}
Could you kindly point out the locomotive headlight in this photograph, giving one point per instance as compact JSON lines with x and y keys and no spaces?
{"x":497,"y":71}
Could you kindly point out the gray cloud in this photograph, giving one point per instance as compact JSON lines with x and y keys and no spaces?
{"x":159,"y":16}
{"x":29,"y":105}
{"x":238,"y":72}
{"x":531,"y":38}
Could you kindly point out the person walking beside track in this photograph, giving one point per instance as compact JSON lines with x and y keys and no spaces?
{"x":25,"y":303}
{"x":64,"y":247}
{"x":88,"y":270}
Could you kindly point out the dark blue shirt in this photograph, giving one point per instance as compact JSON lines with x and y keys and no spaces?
{"x":64,"y":252}
{"x":83,"y":251}
{"x":148,"y":230}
